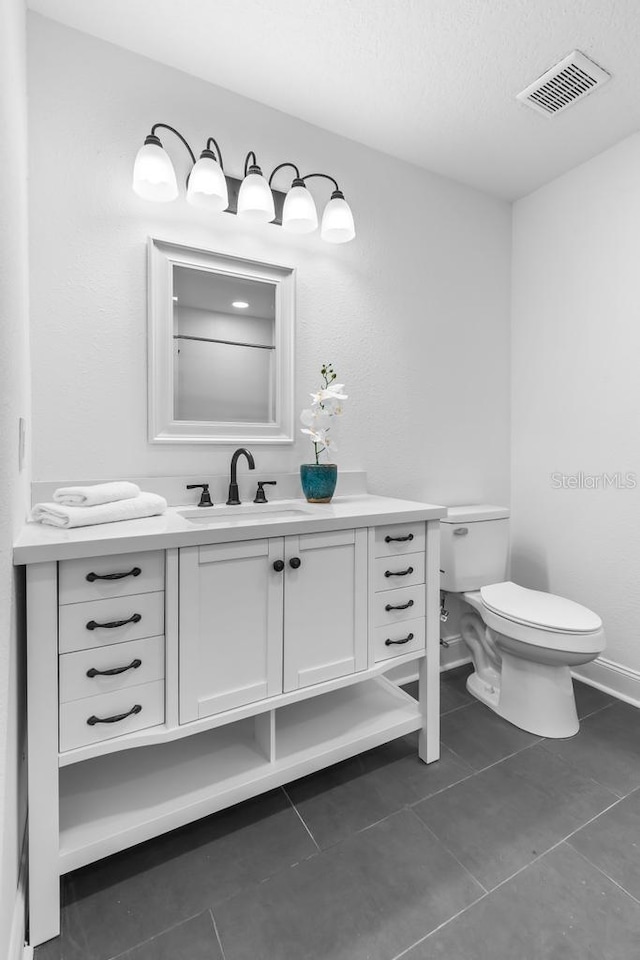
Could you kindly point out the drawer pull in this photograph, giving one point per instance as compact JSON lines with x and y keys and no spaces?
{"x":115,"y":671}
{"x":295,"y":562}
{"x":406,"y":639}
{"x":92,"y":625}
{"x":398,"y":539}
{"x":399,"y":573}
{"x":399,"y":606}
{"x":135,"y":572}
{"x":136,"y":708}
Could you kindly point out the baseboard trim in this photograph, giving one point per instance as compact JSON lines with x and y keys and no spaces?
{"x":612,"y":678}
{"x":455,"y":655}
{"x":18,"y":948}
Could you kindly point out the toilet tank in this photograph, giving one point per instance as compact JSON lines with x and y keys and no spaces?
{"x":474,"y":547}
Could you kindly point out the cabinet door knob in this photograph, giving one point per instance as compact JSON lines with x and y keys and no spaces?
{"x":295,"y":562}
{"x":278,"y":566}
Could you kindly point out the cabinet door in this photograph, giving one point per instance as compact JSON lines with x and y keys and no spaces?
{"x":325,"y":604}
{"x":230,"y":625}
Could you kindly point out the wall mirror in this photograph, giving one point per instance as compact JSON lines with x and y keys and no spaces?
{"x":220,"y":348}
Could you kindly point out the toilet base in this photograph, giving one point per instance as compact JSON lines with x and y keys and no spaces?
{"x":536,"y":697}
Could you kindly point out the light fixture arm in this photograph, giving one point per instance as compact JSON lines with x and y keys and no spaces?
{"x":212,"y":140}
{"x":326,"y":177}
{"x":165,"y":126}
{"x":254,"y":164}
{"x":280,"y":166}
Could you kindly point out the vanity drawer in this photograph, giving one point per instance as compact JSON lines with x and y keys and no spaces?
{"x":128,"y":573}
{"x":399,"y":538}
{"x":390,"y":606}
{"x":390,"y":573}
{"x":137,"y":662}
{"x":122,"y":711}
{"x":397,"y":639}
{"x":129,"y":618}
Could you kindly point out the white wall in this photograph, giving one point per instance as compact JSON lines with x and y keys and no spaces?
{"x":414,"y":314}
{"x":576,"y":392}
{"x":13,"y":404}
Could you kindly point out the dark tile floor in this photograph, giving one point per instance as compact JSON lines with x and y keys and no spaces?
{"x":509,"y":848}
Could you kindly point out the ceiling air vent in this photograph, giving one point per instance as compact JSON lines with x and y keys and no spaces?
{"x":563,"y":85}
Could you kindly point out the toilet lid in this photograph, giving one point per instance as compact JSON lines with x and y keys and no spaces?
{"x":537,"y":609}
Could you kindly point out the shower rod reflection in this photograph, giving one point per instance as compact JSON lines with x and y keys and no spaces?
{"x":231,"y":343}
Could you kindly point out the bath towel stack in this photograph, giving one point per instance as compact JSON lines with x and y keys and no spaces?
{"x":98,"y":503}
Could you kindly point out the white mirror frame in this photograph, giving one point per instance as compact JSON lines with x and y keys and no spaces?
{"x":163,"y":428}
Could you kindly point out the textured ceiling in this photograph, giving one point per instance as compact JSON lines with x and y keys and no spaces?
{"x":430,"y":81}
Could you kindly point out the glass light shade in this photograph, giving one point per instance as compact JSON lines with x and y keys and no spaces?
{"x":208,"y":186}
{"x":255,"y":200}
{"x":153,"y":175}
{"x":299,"y":214}
{"x":337,"y":221}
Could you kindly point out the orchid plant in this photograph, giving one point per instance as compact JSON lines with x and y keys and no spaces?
{"x":325,"y":404}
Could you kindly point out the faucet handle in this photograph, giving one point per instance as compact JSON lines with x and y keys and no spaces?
{"x":205,"y":496}
{"x":261,"y":496}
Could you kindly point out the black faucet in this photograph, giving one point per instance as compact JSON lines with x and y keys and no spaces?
{"x":205,"y":496}
{"x":234,"y":499}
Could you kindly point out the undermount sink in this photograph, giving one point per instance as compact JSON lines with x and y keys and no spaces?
{"x":245,"y":513}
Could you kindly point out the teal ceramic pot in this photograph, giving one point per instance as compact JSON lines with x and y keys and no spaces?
{"x":318,"y":481}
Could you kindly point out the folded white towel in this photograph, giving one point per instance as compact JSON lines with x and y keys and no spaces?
{"x":60,"y":515}
{"x":96,"y":493}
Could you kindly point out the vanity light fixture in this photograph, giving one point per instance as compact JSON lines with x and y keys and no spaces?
{"x":253,"y":197}
{"x":255,"y":200}
{"x":299,"y":214}
{"x":207,"y":186}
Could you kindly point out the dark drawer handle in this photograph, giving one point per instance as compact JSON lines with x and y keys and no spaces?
{"x":115,"y":671}
{"x":135,"y":572}
{"x":92,"y":625}
{"x":136,"y":708}
{"x":409,"y":536}
{"x":406,"y":639}
{"x":399,"y":573}
{"x":399,"y":606}
{"x":295,"y":562}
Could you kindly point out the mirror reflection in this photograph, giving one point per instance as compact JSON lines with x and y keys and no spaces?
{"x":224,"y":364}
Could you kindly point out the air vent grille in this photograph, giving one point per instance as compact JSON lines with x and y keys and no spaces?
{"x":563,"y":85}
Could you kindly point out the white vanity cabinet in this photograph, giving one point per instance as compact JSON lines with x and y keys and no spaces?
{"x":259,"y":617}
{"x":194,"y":669}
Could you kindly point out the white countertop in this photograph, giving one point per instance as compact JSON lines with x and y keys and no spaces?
{"x":39,"y":543}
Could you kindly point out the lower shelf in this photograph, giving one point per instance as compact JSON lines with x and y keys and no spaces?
{"x":113,"y":802}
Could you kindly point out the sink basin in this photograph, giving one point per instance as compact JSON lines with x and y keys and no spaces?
{"x":245,"y":513}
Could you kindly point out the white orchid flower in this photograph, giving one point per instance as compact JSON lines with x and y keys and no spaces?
{"x":317,"y":436}
{"x":329,"y":395}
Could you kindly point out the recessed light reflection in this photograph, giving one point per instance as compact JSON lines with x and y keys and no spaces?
{"x":240,"y":304}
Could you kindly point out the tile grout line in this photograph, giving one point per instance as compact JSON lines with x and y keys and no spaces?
{"x":217,"y":933}
{"x":604,"y":873}
{"x":439,"y":927}
{"x":450,"y":852}
{"x":511,"y":877}
{"x":495,"y":763}
{"x":579,"y":770}
{"x":161,"y":933}
{"x":301,"y":818}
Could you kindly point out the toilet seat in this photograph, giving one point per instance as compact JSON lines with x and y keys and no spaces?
{"x":541,"y":619}
{"x":534,"y":608}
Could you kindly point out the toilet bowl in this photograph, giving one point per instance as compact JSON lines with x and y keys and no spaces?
{"x":522,"y":642}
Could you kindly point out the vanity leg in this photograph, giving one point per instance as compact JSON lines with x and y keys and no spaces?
{"x":42,"y":728}
{"x":429,"y":678}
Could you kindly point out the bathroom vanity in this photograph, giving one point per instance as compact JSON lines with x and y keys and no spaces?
{"x":183,"y":663}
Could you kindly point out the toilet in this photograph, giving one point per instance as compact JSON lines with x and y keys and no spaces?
{"x":522,"y":642}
